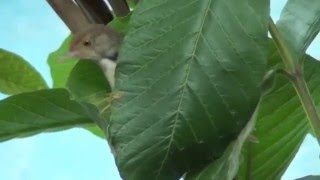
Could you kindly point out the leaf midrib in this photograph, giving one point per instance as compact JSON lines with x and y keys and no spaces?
{"x":184,"y":87}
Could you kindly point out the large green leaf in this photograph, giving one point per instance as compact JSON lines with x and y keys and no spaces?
{"x":188,"y":82}
{"x":299,"y":24}
{"x":60,"y":69}
{"x":226,"y":167}
{"x":17,"y":75}
{"x":40,"y":111}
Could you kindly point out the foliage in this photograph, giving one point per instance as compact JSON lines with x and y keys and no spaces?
{"x":26,"y":114}
{"x":60,"y":70}
{"x":186,"y":94}
{"x":309,"y":178}
{"x":188,"y":90}
{"x":17,"y":75}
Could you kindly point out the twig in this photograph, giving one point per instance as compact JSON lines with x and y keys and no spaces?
{"x":96,"y":11}
{"x":70,"y":14}
{"x":120,"y":7}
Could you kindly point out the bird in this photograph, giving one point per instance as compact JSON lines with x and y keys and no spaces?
{"x":98,"y":43}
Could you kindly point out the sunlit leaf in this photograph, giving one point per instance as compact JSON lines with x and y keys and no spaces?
{"x":40,"y":111}
{"x":299,"y":24}
{"x":121,"y":24}
{"x":17,"y":75}
{"x":60,"y":69}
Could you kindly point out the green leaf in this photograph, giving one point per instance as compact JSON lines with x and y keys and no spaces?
{"x":226,"y":167}
{"x":309,"y":178}
{"x":96,"y":131}
{"x":132,"y":3}
{"x":86,"y":80}
{"x":187,"y":85}
{"x":299,"y":24}
{"x":281,"y":125}
{"x":121,"y":24}
{"x":60,"y":70}
{"x":27,"y":114}
{"x":88,"y":84}
{"x":17,"y":75}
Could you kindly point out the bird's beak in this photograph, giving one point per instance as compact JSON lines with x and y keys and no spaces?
{"x":69,"y":55}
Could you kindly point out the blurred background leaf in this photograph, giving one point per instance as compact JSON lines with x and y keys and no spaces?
{"x":17,"y":75}
{"x":88,"y":85}
{"x":309,"y":178}
{"x":59,"y":69}
{"x":27,"y":114}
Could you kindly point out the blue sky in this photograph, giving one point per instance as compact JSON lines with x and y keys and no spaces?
{"x":27,"y":27}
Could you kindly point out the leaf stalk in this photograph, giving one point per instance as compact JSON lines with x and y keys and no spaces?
{"x":295,"y":71}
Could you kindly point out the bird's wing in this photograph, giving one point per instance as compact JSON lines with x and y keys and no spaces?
{"x":108,"y":66}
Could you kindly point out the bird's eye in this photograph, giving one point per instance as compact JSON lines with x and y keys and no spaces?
{"x":87,"y":43}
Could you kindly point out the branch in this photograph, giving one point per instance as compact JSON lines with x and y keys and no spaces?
{"x":96,"y":11}
{"x":120,"y":7}
{"x":70,"y":14}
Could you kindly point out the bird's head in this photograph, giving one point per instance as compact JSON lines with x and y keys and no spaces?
{"x":95,"y":42}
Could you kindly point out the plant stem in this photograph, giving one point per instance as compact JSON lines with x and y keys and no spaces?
{"x":285,"y":54}
{"x":306,"y":100}
{"x":295,"y":72}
